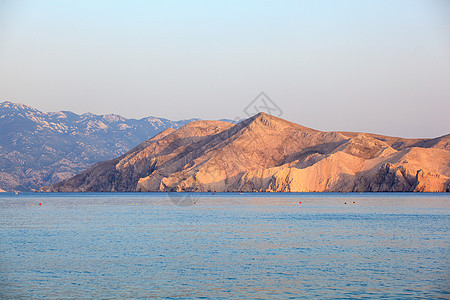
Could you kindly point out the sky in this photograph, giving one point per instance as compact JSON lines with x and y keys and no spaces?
{"x":369,"y":66}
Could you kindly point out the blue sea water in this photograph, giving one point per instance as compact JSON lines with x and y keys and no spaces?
{"x":259,"y":246}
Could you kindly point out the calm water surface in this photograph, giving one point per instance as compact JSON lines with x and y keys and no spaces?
{"x":225,"y":246}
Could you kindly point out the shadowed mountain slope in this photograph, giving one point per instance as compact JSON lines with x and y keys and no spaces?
{"x":39,"y":148}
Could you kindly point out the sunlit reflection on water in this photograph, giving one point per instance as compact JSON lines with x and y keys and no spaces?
{"x":225,"y":246}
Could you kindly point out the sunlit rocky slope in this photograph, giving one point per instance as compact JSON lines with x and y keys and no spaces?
{"x":265,"y":153}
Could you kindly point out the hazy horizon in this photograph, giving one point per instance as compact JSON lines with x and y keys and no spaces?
{"x":380,"y":67}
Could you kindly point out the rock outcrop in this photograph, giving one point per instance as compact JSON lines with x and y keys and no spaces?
{"x":269,"y":154}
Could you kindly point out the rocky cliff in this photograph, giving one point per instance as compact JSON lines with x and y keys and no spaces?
{"x":269,"y":154}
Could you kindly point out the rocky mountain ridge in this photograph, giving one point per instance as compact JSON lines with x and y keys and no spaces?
{"x":268,"y":154}
{"x":39,"y":148}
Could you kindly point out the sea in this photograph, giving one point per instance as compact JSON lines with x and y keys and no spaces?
{"x":224,"y":246}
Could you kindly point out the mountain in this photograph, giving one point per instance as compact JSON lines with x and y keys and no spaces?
{"x":268,"y":154}
{"x":39,"y":148}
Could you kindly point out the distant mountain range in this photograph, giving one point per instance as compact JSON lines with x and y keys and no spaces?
{"x":268,"y":154}
{"x":39,"y":148}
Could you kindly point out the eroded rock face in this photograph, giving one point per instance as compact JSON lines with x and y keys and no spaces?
{"x":269,"y":154}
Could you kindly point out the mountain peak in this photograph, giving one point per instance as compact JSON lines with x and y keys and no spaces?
{"x":16,"y":106}
{"x":263,"y":120}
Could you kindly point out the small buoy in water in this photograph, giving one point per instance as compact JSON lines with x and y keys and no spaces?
{"x":300,"y":202}
{"x":214,"y":193}
{"x":40,"y":203}
{"x":345,"y":202}
{"x":195,"y":202}
{"x":353,"y":201}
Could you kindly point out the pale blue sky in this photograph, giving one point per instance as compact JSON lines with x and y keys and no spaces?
{"x":372,"y":66}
